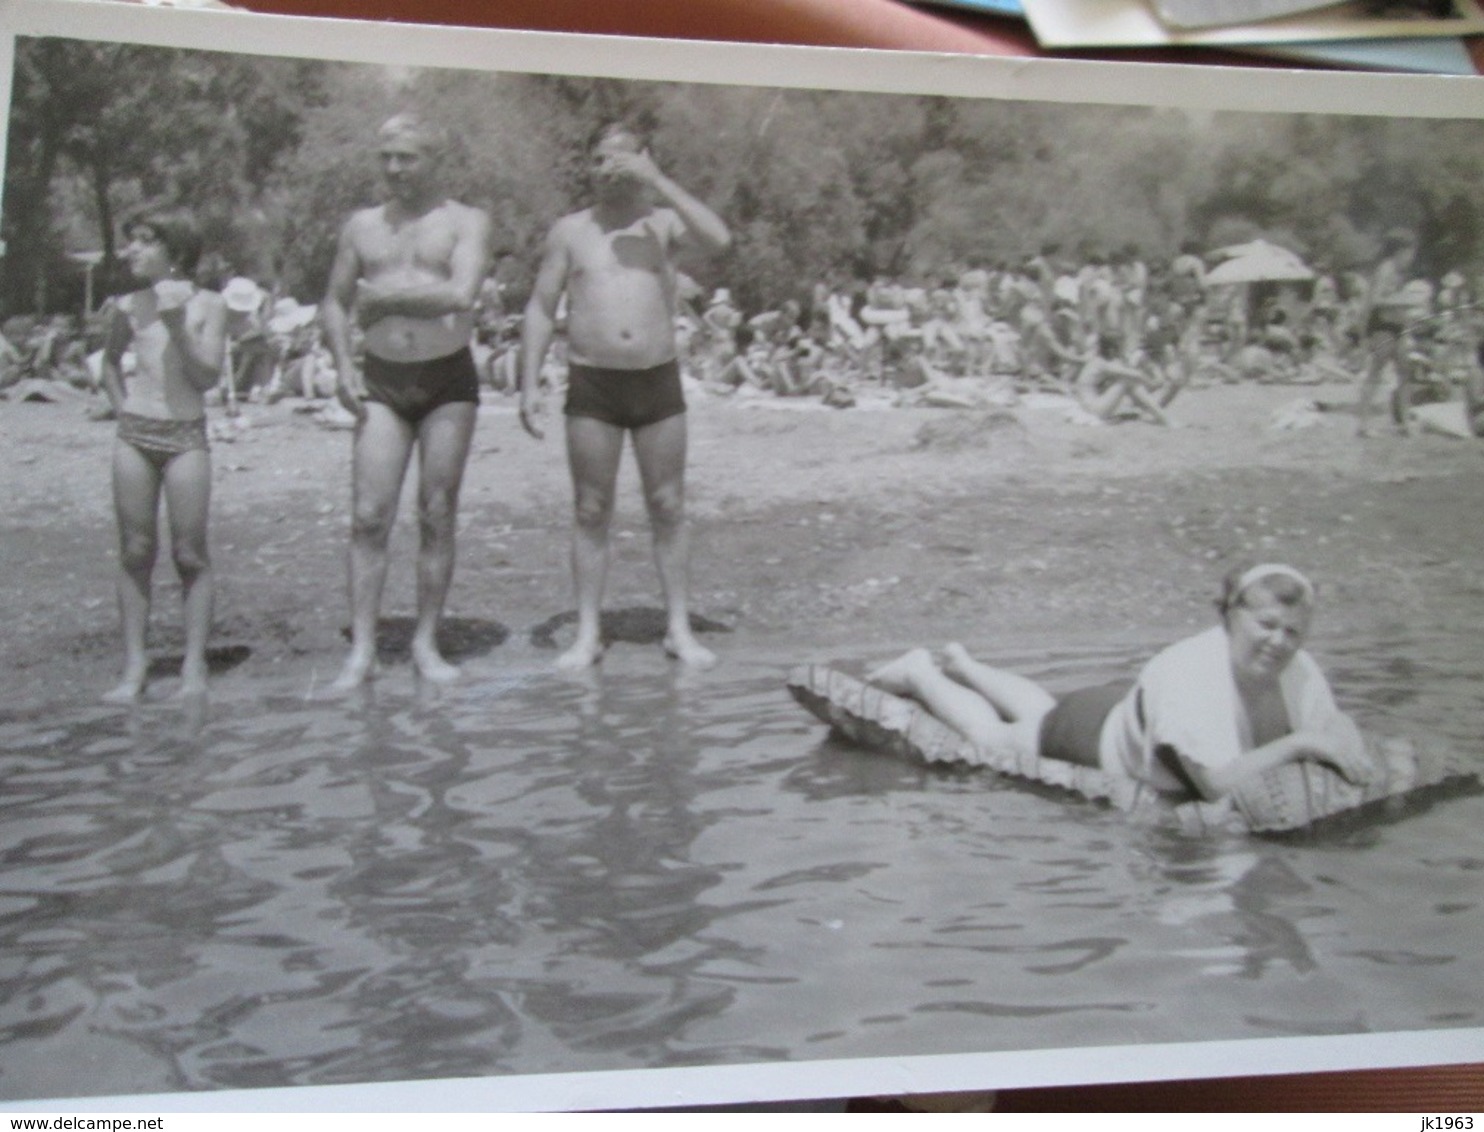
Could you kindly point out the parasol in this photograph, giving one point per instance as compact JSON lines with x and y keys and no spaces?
{"x":1259,"y":262}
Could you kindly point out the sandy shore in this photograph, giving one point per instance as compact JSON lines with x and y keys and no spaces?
{"x":815,"y":530}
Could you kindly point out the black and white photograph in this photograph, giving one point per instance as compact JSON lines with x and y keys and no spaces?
{"x":549,"y":572}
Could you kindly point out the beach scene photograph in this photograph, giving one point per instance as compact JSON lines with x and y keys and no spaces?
{"x":513,"y":573}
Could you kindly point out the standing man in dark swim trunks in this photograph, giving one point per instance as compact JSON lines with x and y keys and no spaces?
{"x":409,"y":269}
{"x":615,"y":263}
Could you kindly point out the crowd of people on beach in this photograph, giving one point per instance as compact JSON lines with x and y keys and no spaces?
{"x":1116,"y":335}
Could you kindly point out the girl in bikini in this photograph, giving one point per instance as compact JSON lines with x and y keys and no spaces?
{"x":177,"y":335}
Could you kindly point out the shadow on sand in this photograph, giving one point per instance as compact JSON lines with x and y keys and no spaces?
{"x":221,"y":659}
{"x":637,"y":625}
{"x":459,"y":638}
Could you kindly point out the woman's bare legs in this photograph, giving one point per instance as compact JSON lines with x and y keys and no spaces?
{"x":187,"y":501}
{"x":1152,"y":406}
{"x":965,"y":710}
{"x":1013,"y":696}
{"x":136,"y":501}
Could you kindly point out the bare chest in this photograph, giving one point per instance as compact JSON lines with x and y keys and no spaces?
{"x":598,"y":254}
{"x":424,"y":246}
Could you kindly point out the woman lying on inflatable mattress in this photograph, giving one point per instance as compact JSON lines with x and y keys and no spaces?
{"x":1236,"y":700}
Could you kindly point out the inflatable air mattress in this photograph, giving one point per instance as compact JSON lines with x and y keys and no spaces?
{"x":1288,"y":798}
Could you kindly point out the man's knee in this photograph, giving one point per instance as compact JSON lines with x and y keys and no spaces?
{"x":437,"y":525}
{"x":437,"y":511}
{"x":592,"y":510}
{"x":371,"y":522}
{"x":666,"y":505}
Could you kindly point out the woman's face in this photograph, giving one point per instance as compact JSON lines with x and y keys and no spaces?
{"x":1264,"y":634}
{"x":146,"y":254}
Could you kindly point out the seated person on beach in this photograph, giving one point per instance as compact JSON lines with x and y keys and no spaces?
{"x":941,"y":339}
{"x":1105,"y":383}
{"x":1045,"y":359}
{"x":178,"y":336}
{"x":721,"y":346}
{"x":752,"y":366}
{"x":971,"y":315}
{"x":1236,"y":700}
{"x":886,"y":310}
{"x":251,"y":357}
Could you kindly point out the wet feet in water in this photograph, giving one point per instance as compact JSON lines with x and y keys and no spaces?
{"x":690,"y":652}
{"x":195,"y":707}
{"x":584,"y":653}
{"x":192,"y":681}
{"x":129,"y":690}
{"x":432,"y":667}
{"x":357,"y":670}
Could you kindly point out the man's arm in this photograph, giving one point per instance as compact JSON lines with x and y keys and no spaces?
{"x":335,"y":318}
{"x":467,"y":266}
{"x":703,"y":225}
{"x":539,"y":324}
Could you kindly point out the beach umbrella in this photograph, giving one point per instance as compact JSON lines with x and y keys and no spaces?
{"x":1259,"y":262}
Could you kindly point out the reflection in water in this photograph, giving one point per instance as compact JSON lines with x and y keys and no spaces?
{"x":640,"y":867}
{"x":1228,"y":896}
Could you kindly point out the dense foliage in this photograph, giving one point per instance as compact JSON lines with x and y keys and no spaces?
{"x":817,"y":185}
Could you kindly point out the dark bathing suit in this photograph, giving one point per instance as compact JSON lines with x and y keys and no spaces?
{"x":412,"y":390}
{"x":1072,"y":730}
{"x":160,"y":439}
{"x":625,"y":398}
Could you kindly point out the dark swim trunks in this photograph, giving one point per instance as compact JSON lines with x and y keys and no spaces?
{"x":412,"y":390}
{"x":1072,"y":730}
{"x":160,"y":439}
{"x":625,"y":398}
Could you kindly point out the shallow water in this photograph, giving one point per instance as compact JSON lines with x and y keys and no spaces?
{"x":525,"y":874}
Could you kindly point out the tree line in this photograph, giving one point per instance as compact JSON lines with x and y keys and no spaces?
{"x":273,"y":153}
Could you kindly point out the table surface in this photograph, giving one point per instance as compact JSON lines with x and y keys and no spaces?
{"x":835,"y":23}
